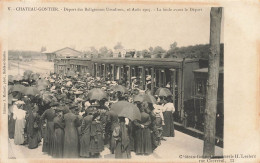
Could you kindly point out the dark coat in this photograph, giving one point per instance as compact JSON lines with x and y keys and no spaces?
{"x":96,"y":139}
{"x":71,"y":139}
{"x":33,"y":129}
{"x":48,"y":141}
{"x":85,"y":138}
{"x":121,"y":136}
{"x":168,"y":128}
{"x":143,"y":142}
{"x":58,"y":137}
{"x":112,"y":122}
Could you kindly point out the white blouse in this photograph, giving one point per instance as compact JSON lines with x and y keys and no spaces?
{"x":169,"y":107}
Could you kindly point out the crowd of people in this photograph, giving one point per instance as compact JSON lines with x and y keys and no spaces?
{"x":71,"y":116}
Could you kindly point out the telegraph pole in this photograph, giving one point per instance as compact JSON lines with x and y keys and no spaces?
{"x":212,"y":84}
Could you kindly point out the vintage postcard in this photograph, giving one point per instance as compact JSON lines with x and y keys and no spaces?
{"x":134,"y":81}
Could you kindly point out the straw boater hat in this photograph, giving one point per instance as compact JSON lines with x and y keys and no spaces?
{"x":148,"y":77}
{"x":77,"y":92}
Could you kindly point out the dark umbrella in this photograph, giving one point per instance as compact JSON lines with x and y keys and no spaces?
{"x":40,"y":87}
{"x":27,"y":74}
{"x":32,"y":91}
{"x":163,"y":92}
{"x":43,"y":82}
{"x":126,"y":109}
{"x":96,"y":94}
{"x":18,"y":88}
{"x":119,"y":88}
{"x":34,"y":76}
{"x":145,"y":98}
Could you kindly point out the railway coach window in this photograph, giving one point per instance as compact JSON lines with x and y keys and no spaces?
{"x":200,"y":88}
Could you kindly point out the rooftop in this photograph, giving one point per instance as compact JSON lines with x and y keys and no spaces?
{"x":205,"y":70}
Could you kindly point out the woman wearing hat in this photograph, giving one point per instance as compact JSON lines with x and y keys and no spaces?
{"x":97,"y":136}
{"x":143,"y":142}
{"x":121,"y":136}
{"x":33,"y":127}
{"x":49,"y":115}
{"x":58,"y":133}
{"x":168,"y":110}
{"x":71,"y":139}
{"x":85,"y":133}
{"x":19,"y":116}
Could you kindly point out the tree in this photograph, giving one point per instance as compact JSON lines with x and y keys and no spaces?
{"x":103,"y":51}
{"x":212,"y":85}
{"x":43,"y":48}
{"x":173,"y":45}
{"x":151,"y":50}
{"x":171,"y":51}
{"x":110,"y":53}
{"x":146,"y":54}
{"x":118,"y":46}
{"x":93,"y":52}
{"x":158,"y":51}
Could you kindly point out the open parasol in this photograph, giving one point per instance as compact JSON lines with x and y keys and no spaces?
{"x":32,"y":91}
{"x":119,"y":88}
{"x":126,"y":109}
{"x":43,"y":82}
{"x":163,"y":92}
{"x":18,"y":88}
{"x":145,"y":98}
{"x":34,"y":76}
{"x":96,"y":94}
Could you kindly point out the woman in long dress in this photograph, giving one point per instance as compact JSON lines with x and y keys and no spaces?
{"x":155,"y":134}
{"x":97,"y":136}
{"x":71,"y":138}
{"x":33,"y":128}
{"x":112,"y":122}
{"x":168,"y":110}
{"x":85,"y":136}
{"x":121,"y":136}
{"x":159,"y":121}
{"x":11,"y":121}
{"x":143,"y":142}
{"x":58,"y":133}
{"x":19,"y":116}
{"x":49,"y":115}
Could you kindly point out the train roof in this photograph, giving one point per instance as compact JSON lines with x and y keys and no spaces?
{"x":83,"y":59}
{"x":165,"y":62}
{"x":206,"y":70}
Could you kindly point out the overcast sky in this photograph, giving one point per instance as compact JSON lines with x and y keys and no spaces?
{"x":135,"y":30}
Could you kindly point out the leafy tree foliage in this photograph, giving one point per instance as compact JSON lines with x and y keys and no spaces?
{"x":118,"y":46}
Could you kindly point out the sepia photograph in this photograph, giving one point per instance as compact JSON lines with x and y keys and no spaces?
{"x":115,"y":81}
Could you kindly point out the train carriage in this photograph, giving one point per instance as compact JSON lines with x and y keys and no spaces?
{"x":175,"y":73}
{"x":186,"y":79}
